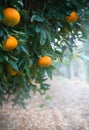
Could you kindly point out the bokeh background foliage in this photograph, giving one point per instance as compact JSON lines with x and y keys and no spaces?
{"x":42,"y":21}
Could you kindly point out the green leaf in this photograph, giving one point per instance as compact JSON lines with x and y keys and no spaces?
{"x":25,"y":49}
{"x":17,"y":3}
{"x":38,"y":29}
{"x":14,"y":65}
{"x":30,"y":63}
{"x":1,"y":14}
{"x":1,"y":89}
{"x":37,"y":18}
{"x":20,"y":3}
{"x":45,"y":86}
{"x":43,"y":37}
{"x":49,"y":35}
{"x":1,"y":32}
{"x":49,"y":73}
{"x":6,"y":58}
{"x":34,"y":88}
{"x":27,"y":70}
{"x":47,"y":97}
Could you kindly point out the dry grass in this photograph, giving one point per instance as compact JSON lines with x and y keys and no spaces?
{"x":67,"y":109}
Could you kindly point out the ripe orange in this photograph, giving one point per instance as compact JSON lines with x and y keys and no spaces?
{"x":10,"y":44}
{"x":73,"y":17}
{"x":45,"y":61}
{"x":11,"y":71}
{"x":11,"y":17}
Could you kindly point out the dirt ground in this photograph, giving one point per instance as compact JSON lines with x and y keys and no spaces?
{"x":66,"y":107}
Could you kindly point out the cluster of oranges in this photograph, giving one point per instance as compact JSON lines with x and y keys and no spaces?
{"x":46,"y":61}
{"x":43,"y":62}
{"x":11,"y":18}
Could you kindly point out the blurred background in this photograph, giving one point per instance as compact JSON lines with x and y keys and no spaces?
{"x":77,"y":66}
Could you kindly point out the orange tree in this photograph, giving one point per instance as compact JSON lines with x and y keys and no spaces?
{"x":33,"y":34}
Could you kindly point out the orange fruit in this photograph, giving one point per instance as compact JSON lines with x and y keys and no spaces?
{"x":11,"y":17}
{"x":45,"y":61}
{"x":73,"y":17}
{"x":10,"y":44}
{"x":11,"y":71}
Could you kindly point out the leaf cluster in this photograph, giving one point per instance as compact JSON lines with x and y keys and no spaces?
{"x":43,"y":30}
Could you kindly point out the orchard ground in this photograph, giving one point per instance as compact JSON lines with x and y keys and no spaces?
{"x":66,"y":107}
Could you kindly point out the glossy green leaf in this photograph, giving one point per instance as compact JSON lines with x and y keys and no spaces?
{"x":14,"y":65}
{"x":43,"y":37}
{"x":37,"y":18}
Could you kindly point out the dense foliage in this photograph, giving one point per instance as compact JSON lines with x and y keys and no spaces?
{"x":42,"y":31}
